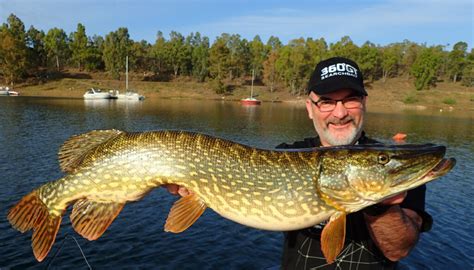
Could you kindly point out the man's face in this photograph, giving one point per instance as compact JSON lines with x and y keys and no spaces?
{"x":341,"y":126}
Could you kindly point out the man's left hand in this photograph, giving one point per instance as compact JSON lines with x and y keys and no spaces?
{"x":397,"y":199}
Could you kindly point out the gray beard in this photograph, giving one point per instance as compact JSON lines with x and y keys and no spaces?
{"x":349,"y":139}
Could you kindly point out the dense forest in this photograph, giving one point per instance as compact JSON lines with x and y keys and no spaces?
{"x":33,"y":53}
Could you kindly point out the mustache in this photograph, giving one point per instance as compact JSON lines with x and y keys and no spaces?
{"x":337,"y":121}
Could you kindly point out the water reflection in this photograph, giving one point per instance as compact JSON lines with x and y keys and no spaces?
{"x":32,"y":130}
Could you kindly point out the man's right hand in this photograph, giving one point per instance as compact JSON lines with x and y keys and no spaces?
{"x":177,"y":190}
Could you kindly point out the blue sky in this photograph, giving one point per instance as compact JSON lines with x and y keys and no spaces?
{"x":433,"y":22}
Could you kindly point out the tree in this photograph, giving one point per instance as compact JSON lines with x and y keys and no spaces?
{"x":116,"y":48}
{"x":159,"y":55}
{"x":13,"y":50}
{"x":457,"y":60}
{"x":391,"y":58}
{"x":36,"y":49}
{"x":425,"y":67}
{"x":219,"y":58}
{"x":139,"y":56}
{"x":56,"y":43}
{"x":468,"y":71}
{"x":178,"y":55}
{"x":344,"y":48}
{"x":258,"y":53}
{"x":78,"y":45}
{"x":200,"y":57}
{"x":369,"y":60}
{"x":293,"y":65}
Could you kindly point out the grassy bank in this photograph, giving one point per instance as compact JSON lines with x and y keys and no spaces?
{"x":392,"y":95}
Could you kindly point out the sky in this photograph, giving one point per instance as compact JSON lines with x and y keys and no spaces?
{"x":432,"y":22}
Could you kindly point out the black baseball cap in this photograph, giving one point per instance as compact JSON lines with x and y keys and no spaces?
{"x":334,"y":74}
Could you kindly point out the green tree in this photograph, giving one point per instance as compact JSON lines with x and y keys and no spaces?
{"x":410,"y":52}
{"x":200,"y":57}
{"x":391,"y":58}
{"x":369,"y":60}
{"x":425,"y":68}
{"x":13,"y":50}
{"x":219,"y":58}
{"x":293,"y":66}
{"x":317,"y":49}
{"x":56,"y":43}
{"x":468,"y":71}
{"x":79,"y":43}
{"x":457,"y":60}
{"x":116,"y":48}
{"x":269,"y":70}
{"x":139,"y":59}
{"x":258,"y":53}
{"x":160,"y":56}
{"x":178,"y":55}
{"x":344,"y":48}
{"x":36,"y":49}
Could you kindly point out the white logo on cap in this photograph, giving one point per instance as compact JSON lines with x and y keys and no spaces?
{"x":338,"y":69}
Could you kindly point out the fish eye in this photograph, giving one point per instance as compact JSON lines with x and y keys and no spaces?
{"x":383,"y":159}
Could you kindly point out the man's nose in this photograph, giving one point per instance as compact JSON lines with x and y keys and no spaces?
{"x":340,"y":111}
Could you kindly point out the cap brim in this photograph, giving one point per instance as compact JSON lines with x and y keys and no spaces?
{"x":329,"y":86}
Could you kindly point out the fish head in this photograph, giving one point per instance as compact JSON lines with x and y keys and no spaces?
{"x":353,"y":177}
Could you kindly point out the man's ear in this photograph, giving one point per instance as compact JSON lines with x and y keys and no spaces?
{"x":309,"y":109}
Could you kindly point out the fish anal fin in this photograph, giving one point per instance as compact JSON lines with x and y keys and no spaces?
{"x":90,"y":219}
{"x":333,"y":236}
{"x":72,"y":152}
{"x":32,"y":213}
{"x":184,"y":213}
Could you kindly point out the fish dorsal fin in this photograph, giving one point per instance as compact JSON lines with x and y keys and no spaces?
{"x":184,"y":213}
{"x":333,"y":236}
{"x":90,"y":219}
{"x":72,"y":152}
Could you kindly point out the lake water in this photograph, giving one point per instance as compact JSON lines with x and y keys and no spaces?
{"x":32,"y":130}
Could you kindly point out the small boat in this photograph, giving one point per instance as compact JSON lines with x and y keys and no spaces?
{"x":97,"y":94}
{"x":251,"y":100}
{"x":5,"y":91}
{"x":129,"y":94}
{"x":13,"y":93}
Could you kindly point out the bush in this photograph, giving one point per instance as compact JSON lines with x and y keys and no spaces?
{"x":410,"y":99}
{"x":449,"y":101}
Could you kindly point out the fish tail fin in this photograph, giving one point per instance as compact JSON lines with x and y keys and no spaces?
{"x":32,"y":213}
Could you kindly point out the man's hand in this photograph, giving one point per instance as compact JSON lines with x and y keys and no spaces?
{"x":396,"y":231}
{"x":177,"y":190}
{"x":397,"y":199}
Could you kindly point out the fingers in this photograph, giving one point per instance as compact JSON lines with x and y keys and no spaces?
{"x":177,"y":190}
{"x":397,"y":199}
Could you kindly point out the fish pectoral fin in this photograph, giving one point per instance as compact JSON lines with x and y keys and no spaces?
{"x":184,"y":213}
{"x":72,"y":152}
{"x":90,"y":219}
{"x":333,"y":236}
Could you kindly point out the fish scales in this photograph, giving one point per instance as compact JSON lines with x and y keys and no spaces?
{"x":265,"y":189}
{"x":251,"y":186}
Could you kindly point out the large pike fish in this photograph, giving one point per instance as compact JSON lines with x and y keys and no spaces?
{"x":265,"y":189}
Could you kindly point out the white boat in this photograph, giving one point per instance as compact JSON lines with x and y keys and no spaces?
{"x":5,"y":91}
{"x":129,"y":94}
{"x":97,"y":94}
{"x":251,"y":100}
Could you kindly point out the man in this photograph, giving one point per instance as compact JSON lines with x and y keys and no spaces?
{"x":378,"y":236}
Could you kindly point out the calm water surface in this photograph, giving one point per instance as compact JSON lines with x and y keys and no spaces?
{"x":32,"y":130}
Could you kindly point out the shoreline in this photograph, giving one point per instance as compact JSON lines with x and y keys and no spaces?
{"x":393,"y":96}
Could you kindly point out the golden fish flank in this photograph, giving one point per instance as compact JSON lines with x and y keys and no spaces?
{"x":265,"y":189}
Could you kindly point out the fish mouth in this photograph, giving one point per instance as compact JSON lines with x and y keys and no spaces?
{"x":443,"y":167}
